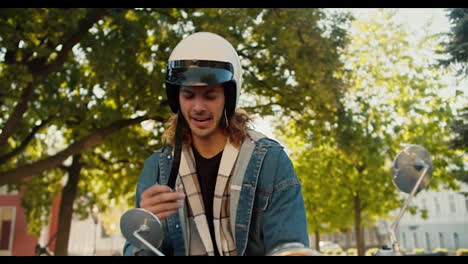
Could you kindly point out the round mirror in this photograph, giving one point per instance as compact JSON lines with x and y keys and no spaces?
{"x":293,"y":249}
{"x":133,"y":220}
{"x":409,"y":165}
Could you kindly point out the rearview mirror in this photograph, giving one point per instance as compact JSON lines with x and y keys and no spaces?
{"x":409,"y":165}
{"x":142,"y":229}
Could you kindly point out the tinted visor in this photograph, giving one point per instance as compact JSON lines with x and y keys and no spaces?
{"x":198,"y":72}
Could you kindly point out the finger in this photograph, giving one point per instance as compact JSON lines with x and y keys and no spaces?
{"x":165,"y":214}
{"x":165,"y":207}
{"x":156,"y":189}
{"x":161,"y":198}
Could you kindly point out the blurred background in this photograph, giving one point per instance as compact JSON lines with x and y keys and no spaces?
{"x":82,"y":105}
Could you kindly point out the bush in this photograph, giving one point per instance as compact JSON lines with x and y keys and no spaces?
{"x":462,"y":252}
{"x":351,"y":252}
{"x":338,"y":252}
{"x":371,"y":251}
{"x":419,"y":250}
{"x":440,"y":250}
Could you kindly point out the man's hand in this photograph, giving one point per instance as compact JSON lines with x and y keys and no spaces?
{"x":161,"y":200}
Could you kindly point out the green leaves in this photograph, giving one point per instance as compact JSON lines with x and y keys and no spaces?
{"x":109,"y":65}
{"x":103,"y":80}
{"x":345,"y":110}
{"x":324,"y":173}
{"x":38,"y":198}
{"x":392,"y":98}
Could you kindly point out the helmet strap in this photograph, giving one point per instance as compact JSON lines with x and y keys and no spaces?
{"x":226,"y":118}
{"x":177,"y":151}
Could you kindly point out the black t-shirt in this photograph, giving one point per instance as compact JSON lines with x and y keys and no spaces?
{"x":207,"y":172}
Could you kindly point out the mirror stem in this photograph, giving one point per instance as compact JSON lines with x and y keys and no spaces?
{"x":395,"y":245}
{"x":144,"y":228}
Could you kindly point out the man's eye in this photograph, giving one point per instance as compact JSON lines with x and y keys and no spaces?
{"x":187,"y":95}
{"x":211,"y":96}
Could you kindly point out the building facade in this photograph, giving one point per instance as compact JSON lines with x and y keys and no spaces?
{"x":446,"y":225}
{"x":14,"y":238}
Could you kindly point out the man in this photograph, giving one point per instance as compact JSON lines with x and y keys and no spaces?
{"x":218,"y":187}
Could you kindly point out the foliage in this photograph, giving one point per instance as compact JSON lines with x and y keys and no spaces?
{"x":392,"y":99}
{"x":68,"y":76}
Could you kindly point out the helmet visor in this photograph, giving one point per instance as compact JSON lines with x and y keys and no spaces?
{"x":198,"y":72}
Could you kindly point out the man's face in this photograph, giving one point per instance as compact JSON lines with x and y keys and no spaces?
{"x":202,"y":107}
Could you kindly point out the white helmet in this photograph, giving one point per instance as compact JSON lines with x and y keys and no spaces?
{"x":201,"y":59}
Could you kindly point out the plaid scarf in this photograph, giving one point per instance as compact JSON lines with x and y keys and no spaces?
{"x":201,"y":243}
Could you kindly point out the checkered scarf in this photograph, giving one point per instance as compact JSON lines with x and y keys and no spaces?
{"x":221,"y":220}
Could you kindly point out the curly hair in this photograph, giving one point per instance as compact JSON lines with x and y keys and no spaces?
{"x":239,"y":123}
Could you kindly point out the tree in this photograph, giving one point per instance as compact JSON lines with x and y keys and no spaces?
{"x":61,"y":98}
{"x":392,"y":100}
{"x":457,"y":45}
{"x":457,"y":50}
{"x":86,"y":102}
{"x":284,"y":60}
{"x":289,"y":64}
{"x":323,"y":172}
{"x":89,"y":78}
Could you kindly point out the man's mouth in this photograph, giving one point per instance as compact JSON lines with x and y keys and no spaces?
{"x":201,"y":122}
{"x":201,"y":119}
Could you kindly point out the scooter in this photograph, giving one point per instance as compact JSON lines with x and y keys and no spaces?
{"x":411,"y":173}
{"x":143,"y":230}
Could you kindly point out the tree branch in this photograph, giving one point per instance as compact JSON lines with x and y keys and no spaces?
{"x":109,"y":162}
{"x":251,"y":109}
{"x":261,"y":82}
{"x":17,"y":116}
{"x":301,"y":37}
{"x":268,"y":87}
{"x":4,"y":158}
{"x":39,"y":69}
{"x":64,"y":168}
{"x":95,"y":138}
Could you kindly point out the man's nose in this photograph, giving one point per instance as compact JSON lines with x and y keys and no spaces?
{"x":199,"y":104}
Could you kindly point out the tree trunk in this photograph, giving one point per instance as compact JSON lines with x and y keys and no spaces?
{"x":66,"y":207}
{"x":357,"y":226}
{"x":317,"y":240}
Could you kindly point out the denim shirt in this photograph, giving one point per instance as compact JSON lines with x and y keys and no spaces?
{"x":270,"y":209}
